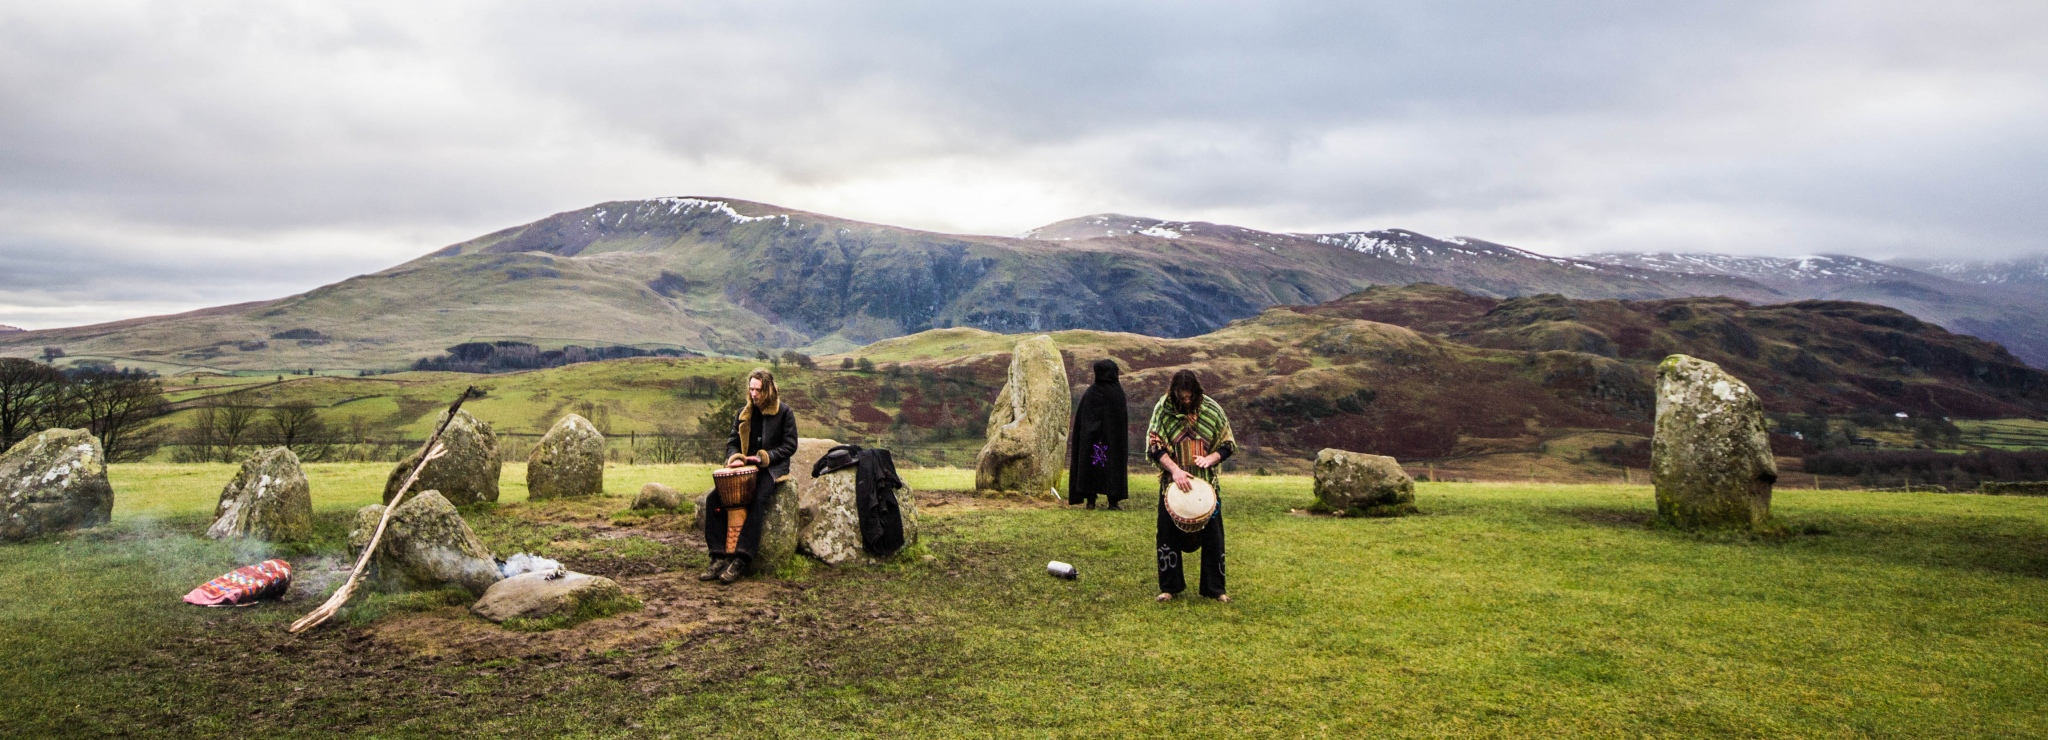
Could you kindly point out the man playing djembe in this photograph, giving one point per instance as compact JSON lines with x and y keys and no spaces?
{"x":1188,"y":438}
{"x":764,"y":436}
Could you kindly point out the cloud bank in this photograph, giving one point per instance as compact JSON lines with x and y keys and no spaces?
{"x":167,"y":156}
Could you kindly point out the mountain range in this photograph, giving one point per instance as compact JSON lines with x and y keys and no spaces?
{"x":724,"y":276}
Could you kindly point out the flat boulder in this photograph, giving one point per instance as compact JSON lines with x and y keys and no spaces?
{"x":1026,"y":450}
{"x":1357,"y":484}
{"x":467,"y":474}
{"x":268,"y":499}
{"x":53,"y":481}
{"x":830,"y":531}
{"x":658,"y":496}
{"x":426,"y":546}
{"x":1710,"y":456}
{"x":544,"y":594}
{"x":567,"y":462}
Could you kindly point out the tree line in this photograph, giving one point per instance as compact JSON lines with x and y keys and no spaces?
{"x":114,"y":404}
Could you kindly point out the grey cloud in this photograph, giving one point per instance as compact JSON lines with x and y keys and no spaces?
{"x":1880,"y":128}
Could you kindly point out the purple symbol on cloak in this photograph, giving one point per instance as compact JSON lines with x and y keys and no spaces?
{"x":1101,"y":456}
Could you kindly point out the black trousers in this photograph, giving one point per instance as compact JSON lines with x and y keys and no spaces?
{"x":1173,"y":542}
{"x":750,"y":531}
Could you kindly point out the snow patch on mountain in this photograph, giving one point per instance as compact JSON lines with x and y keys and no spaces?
{"x":1813,"y":267}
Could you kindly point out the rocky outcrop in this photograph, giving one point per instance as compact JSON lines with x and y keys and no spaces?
{"x":831,"y":528}
{"x":426,"y":546}
{"x":658,"y":497}
{"x":269,"y":499}
{"x":545,"y":594}
{"x":53,"y":481}
{"x":467,"y":474}
{"x":1357,"y":484}
{"x":1027,"y":427}
{"x":1710,"y":457}
{"x":567,"y":462}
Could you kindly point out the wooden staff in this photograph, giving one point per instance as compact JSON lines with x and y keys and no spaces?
{"x":432,"y":450}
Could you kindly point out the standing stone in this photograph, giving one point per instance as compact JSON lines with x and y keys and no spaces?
{"x":53,"y":481}
{"x":1711,"y":454}
{"x":568,"y":461}
{"x":269,"y":499}
{"x":467,"y":474}
{"x":778,"y":533}
{"x":1357,"y":484}
{"x":426,"y":546}
{"x":1027,"y":427}
{"x":832,"y":532}
{"x":658,"y":496}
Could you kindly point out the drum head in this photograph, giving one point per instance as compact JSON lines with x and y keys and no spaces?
{"x":1198,"y":502}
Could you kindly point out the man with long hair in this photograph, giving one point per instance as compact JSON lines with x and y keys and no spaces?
{"x":764,"y":436}
{"x":1189,"y":437}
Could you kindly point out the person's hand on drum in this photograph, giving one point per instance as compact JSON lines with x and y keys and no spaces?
{"x":1209,"y":460}
{"x":739,"y":461}
{"x":1180,"y":479}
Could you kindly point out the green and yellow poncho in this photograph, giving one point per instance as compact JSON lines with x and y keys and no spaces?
{"x":1169,"y":428}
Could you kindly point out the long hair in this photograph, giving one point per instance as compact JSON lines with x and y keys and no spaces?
{"x":1185,"y":380}
{"x":771,"y":402}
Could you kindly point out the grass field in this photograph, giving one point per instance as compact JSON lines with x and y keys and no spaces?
{"x":1504,"y":610}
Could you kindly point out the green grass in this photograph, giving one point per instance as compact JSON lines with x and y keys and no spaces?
{"x":2005,"y":434}
{"x":1504,"y":610}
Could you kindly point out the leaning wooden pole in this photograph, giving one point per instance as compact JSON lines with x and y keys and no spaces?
{"x":428,"y":452}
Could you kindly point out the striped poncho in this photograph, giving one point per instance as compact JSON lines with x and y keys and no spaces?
{"x":1169,"y":427}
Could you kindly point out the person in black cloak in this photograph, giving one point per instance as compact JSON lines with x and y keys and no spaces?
{"x":1098,"y":459}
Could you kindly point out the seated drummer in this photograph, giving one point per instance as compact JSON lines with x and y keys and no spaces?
{"x":764,"y":436}
{"x":1188,"y":437}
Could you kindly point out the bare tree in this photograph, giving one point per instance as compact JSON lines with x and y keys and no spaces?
{"x":115,"y":406}
{"x":199,"y":441}
{"x":298,"y":427}
{"x":30,"y":398}
{"x":232,"y":429}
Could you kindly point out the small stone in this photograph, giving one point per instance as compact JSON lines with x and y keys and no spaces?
{"x":467,"y":474}
{"x":53,"y":481}
{"x":536,"y":596}
{"x":1357,"y":484}
{"x":1028,"y":425}
{"x":567,"y":462}
{"x":1710,"y":456}
{"x":658,"y":496}
{"x":426,"y":546}
{"x":269,"y":499}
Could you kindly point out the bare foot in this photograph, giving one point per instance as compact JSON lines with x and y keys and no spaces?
{"x":1163,"y":597}
{"x":1223,"y":598}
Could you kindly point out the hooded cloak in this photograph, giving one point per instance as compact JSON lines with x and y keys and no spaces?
{"x":1098,"y":460}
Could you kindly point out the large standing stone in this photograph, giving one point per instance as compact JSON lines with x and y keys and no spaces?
{"x":55,"y":480}
{"x":1711,"y":455}
{"x":467,"y":474}
{"x":831,"y":531}
{"x":1027,"y":427}
{"x":426,"y":546}
{"x":537,"y":596}
{"x":1357,"y":484}
{"x":568,"y":461}
{"x":269,"y":499}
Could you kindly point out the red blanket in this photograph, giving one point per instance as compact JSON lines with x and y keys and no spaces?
{"x":244,"y":586}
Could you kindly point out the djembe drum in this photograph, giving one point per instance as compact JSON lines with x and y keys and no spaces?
{"x":735,"y":490}
{"x":1192,"y":508}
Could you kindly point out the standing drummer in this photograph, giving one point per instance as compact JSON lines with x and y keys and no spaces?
{"x":1188,"y":437}
{"x":764,"y":436}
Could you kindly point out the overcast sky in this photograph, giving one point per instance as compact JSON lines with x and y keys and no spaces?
{"x":166,"y":156}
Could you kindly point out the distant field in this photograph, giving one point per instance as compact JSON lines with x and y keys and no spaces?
{"x":2005,"y":434}
{"x":1503,"y":610}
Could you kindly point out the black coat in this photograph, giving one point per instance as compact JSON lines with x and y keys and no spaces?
{"x":778,"y":437}
{"x":1098,"y":456}
{"x":874,"y":490}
